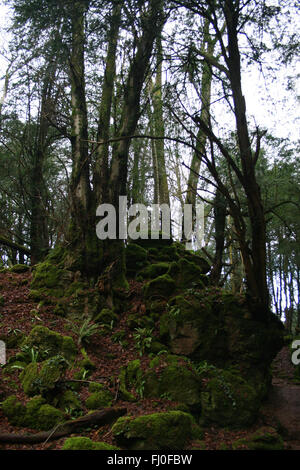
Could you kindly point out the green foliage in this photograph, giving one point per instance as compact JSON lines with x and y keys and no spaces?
{"x":143,"y":339}
{"x":85,"y":331}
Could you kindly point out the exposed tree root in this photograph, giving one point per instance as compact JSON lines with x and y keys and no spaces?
{"x":99,"y":418}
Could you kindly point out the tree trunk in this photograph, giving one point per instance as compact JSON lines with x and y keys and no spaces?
{"x":152,"y":24}
{"x":101,"y":171}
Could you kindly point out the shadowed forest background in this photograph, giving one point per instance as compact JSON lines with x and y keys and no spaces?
{"x":103,"y":99}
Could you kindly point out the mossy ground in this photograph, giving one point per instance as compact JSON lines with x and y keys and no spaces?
{"x":111,"y":360}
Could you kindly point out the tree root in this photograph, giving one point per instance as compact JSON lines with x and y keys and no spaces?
{"x":99,"y":418}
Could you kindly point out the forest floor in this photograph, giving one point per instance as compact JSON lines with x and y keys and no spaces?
{"x":282,"y":410}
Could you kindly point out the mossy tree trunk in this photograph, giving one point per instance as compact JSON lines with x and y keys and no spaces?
{"x":152,"y":21}
{"x":83,"y":241}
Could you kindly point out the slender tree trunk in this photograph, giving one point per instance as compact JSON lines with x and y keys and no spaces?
{"x":152,"y":24}
{"x":256,"y":270}
{"x":101,"y":171}
{"x":220,"y":221}
{"x":39,"y":236}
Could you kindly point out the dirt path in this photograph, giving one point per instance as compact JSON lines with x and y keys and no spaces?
{"x":283,"y":406}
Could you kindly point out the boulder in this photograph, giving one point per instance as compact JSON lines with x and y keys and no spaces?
{"x":159,"y":431}
{"x":50,"y":343}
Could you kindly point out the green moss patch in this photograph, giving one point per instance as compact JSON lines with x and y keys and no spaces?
{"x":158,"y":431}
{"x":84,"y":443}
{"x":49,"y":343}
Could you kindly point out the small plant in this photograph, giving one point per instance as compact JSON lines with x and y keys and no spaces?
{"x":85,"y":331}
{"x":143,"y":339}
{"x":14,"y":331}
{"x":140,"y":389}
{"x":31,"y":354}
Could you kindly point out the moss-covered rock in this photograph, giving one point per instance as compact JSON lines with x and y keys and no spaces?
{"x":265,"y":438}
{"x":37,"y":414}
{"x":48,"y":417}
{"x":50,"y":343}
{"x":158,"y":431}
{"x":101,"y":398}
{"x":32,"y":409}
{"x":69,"y":400}
{"x":43,"y":378}
{"x":84,"y":443}
{"x":154,"y":270}
{"x":196,"y":257}
{"x":215,"y":326}
{"x":106,"y":317}
{"x":14,"y":410}
{"x":162,"y":286}
{"x":171,"y":377}
{"x":186,"y":273}
{"x":136,"y":258}
{"x":28,"y":377}
{"x":227,"y":399}
{"x":123,"y":386}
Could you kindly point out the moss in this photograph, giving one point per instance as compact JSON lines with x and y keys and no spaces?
{"x":48,"y":417}
{"x":69,"y":400}
{"x":99,"y":399}
{"x":186,"y":273}
{"x":32,"y":409}
{"x":86,"y":363}
{"x":133,"y":372}
{"x":136,"y":258}
{"x":174,"y":381}
{"x":84,"y":443}
{"x":36,"y":415}
{"x":95,"y":387}
{"x":51,"y":372}
{"x":50,"y":343}
{"x":124,"y":393}
{"x":35,"y":381}
{"x":265,"y":438}
{"x":196,"y":257}
{"x":14,"y":410}
{"x":154,"y":270}
{"x":2,"y":301}
{"x":13,"y":339}
{"x":19,"y":268}
{"x":28,"y":377}
{"x":106,"y":317}
{"x":136,"y":321}
{"x":60,"y":309}
{"x":227,"y":399}
{"x":47,"y":275}
{"x":157,"y":347}
{"x":162,"y":286}
{"x":158,"y":431}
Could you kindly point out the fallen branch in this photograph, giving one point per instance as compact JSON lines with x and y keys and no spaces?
{"x":99,"y":418}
